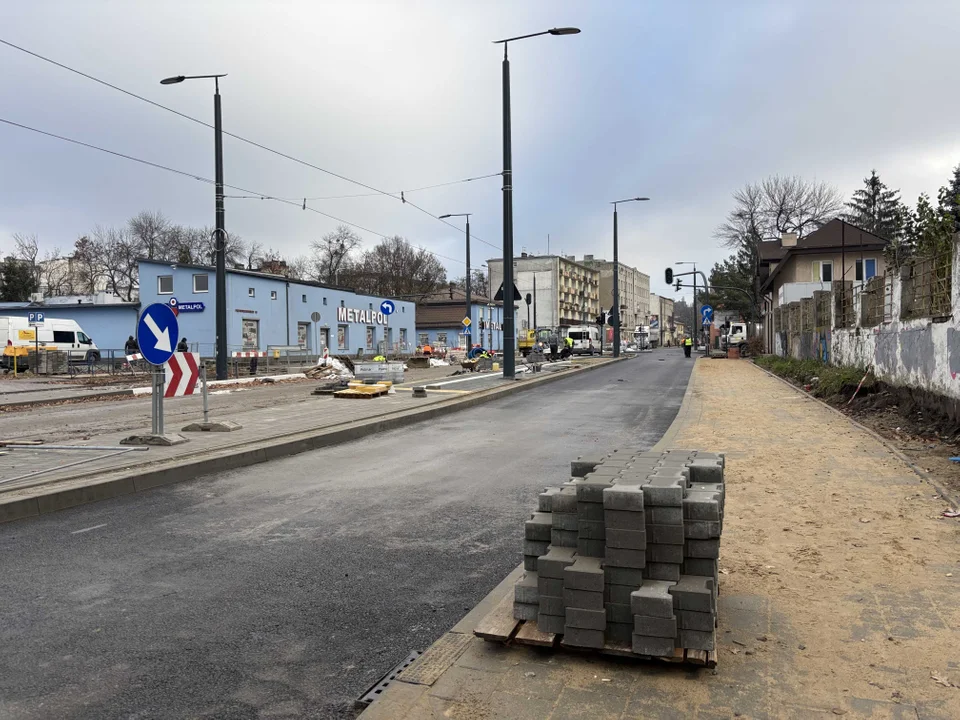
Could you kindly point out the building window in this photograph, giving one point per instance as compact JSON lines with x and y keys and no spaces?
{"x":342,"y":337}
{"x":342,"y":304}
{"x":251,"y":292}
{"x":303,"y":298}
{"x":441,"y":338}
{"x":403,"y":339}
{"x":423,"y":339}
{"x":371,"y":306}
{"x":822,"y":271}
{"x":324,"y":301}
{"x":403,"y":308}
{"x":201,"y":283}
{"x":371,"y":337}
{"x":871,"y":266}
{"x":165,"y":284}
{"x":273,"y":294}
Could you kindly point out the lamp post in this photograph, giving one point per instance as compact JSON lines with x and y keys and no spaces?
{"x":219,"y":233}
{"x":509,"y":329}
{"x":468,"y":301}
{"x":616,"y":275}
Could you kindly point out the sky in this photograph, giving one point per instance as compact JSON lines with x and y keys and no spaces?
{"x":683,"y":102}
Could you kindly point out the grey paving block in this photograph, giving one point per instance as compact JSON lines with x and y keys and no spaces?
{"x":552,"y":605}
{"x":653,"y":599}
{"x":664,"y":554}
{"x":617,"y":461}
{"x":662,"y":571}
{"x":538,"y":527}
{"x":700,"y":505}
{"x":655,"y":626}
{"x":564,"y":521}
{"x":551,"y":623}
{"x":701,"y":529}
{"x":706,"y":471}
{"x":666,"y":534}
{"x":586,"y":619}
{"x":708,"y":487}
{"x":656,"y":646}
{"x":663,"y":515}
{"x":626,"y":539}
{"x":526,"y":590}
{"x":621,"y":633}
{"x":583,"y":599}
{"x":530,"y":562}
{"x":535,"y":547}
{"x":591,"y":548}
{"x":706,"y":567}
{"x":702,"y":548}
{"x":552,"y":563}
{"x":706,"y":455}
{"x":618,"y":594}
{"x":590,"y":511}
{"x":624,"y":520}
{"x":579,"y":637}
{"x":524,"y":611}
{"x":619,"y":557}
{"x":545,"y":499}
{"x":586,"y":573}
{"x":550,"y":586}
{"x":700,"y":621}
{"x":563,"y":538}
{"x":623,"y":497}
{"x":584,"y":464}
{"x":664,"y":491}
{"x":592,"y":487}
{"x":695,"y":640}
{"x":619,"y":612}
{"x":695,"y":592}
{"x":565,"y":501}
{"x":622,"y":576}
{"x":588,"y":530}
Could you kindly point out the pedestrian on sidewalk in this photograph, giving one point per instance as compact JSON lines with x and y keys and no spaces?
{"x":687,"y":346}
{"x":182,"y":345}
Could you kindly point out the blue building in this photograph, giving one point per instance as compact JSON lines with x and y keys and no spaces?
{"x":265,"y":311}
{"x":108,"y":324}
{"x":440,"y":321}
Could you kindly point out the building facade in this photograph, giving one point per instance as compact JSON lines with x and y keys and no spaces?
{"x":634,"y":292}
{"x":562,"y":291}
{"x":265,"y":311}
{"x":663,"y":328}
{"x":440,"y":322}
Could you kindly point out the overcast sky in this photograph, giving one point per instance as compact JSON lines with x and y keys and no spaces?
{"x":681,"y":101}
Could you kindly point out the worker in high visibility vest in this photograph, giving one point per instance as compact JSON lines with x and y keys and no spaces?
{"x":687,"y":346}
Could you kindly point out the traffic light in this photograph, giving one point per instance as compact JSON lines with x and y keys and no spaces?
{"x":602,"y":318}
{"x":669,"y":276}
{"x":678,"y":284}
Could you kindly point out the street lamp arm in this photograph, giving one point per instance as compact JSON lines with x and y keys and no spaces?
{"x":552,"y":31}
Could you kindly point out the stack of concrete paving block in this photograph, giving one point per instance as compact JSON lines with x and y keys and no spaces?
{"x":626,"y":552}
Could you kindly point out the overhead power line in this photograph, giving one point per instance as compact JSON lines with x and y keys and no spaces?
{"x":200,"y":178}
{"x":376,"y":191}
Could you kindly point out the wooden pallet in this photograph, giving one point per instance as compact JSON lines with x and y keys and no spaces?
{"x":500,"y":626}
{"x":362,"y":392}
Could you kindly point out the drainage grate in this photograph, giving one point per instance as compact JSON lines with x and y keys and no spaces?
{"x":375,"y":690}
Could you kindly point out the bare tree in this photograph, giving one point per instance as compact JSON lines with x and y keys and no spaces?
{"x":298,"y":268}
{"x":331,"y":254}
{"x":86,"y":277}
{"x":254,"y":253}
{"x":113,"y":256}
{"x":395,"y":268}
{"x":56,"y":274}
{"x":26,"y":249}
{"x":149,"y":231}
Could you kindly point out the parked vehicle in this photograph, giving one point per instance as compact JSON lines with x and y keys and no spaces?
{"x":53,"y":334}
{"x":586,"y":339}
{"x":735,"y":335}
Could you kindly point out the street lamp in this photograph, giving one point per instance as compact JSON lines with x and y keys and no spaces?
{"x":616,"y":275}
{"x":219,"y":233}
{"x":469,"y":330}
{"x":509,"y":329}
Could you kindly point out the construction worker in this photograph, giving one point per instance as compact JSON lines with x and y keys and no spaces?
{"x":427,"y":350}
{"x":380,"y":358}
{"x":687,"y":346}
{"x":567,"y":347}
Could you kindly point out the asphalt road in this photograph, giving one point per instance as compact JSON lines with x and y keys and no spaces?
{"x":285,"y":590}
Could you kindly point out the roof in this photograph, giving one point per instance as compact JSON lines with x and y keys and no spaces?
{"x":771,"y":251}
{"x":454,"y":296}
{"x":251,"y":273}
{"x":439,"y":316}
{"x":835,"y":235}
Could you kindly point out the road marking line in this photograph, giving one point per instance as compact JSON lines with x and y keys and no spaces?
{"x":95,"y":527}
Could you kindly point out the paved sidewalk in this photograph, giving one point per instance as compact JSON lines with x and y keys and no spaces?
{"x":838,"y":588}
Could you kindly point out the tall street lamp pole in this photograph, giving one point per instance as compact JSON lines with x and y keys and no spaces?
{"x":616,"y":275}
{"x":219,"y":233}
{"x":468,"y":301}
{"x":509,"y":330}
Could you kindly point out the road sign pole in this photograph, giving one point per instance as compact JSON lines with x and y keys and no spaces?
{"x":160,"y":377}
{"x":206,"y":402}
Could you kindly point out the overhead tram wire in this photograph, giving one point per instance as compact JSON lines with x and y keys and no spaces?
{"x":200,"y":178}
{"x":376,"y":191}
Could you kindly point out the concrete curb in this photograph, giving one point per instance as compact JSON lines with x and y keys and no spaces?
{"x":667,"y":440}
{"x":921,"y":473}
{"x":135,"y":480}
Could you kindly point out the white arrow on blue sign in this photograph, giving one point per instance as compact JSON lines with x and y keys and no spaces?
{"x":387,"y":307}
{"x":157,"y":333}
{"x":706,"y":313}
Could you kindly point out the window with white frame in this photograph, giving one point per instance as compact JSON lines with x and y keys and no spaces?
{"x":822,"y":271}
{"x":866,"y":269}
{"x":201,"y":283}
{"x":165,"y":284}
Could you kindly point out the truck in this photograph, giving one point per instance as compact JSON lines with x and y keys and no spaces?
{"x":734,"y":334}
{"x":52,"y":334}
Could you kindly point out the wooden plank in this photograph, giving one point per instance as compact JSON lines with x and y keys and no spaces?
{"x":711,"y":658}
{"x":529,"y":634}
{"x":499,"y":624}
{"x":697,"y":657}
{"x":4,"y":443}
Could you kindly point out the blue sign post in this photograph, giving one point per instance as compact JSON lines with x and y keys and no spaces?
{"x":35,"y":318}
{"x":706,"y":314}
{"x":387,"y":307}
{"x":157,"y":333}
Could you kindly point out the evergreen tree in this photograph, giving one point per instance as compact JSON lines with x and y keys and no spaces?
{"x":929,"y":228}
{"x":877,"y":209}
{"x":950,"y":197}
{"x":17,"y":281}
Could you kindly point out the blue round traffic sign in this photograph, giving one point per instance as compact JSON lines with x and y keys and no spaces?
{"x":387,"y":307}
{"x":157,"y":333}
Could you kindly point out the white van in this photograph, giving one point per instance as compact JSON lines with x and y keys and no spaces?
{"x":53,"y":334}
{"x":586,"y":339}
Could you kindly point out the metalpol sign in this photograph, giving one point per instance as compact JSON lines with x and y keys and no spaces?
{"x":367,"y":317}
